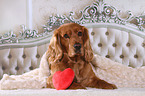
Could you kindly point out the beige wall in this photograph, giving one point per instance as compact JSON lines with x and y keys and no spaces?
{"x":13,"y":12}
{"x":137,"y":7}
{"x":42,"y":9}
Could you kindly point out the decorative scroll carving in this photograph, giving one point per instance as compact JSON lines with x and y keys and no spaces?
{"x":98,"y":12}
{"x":55,"y":22}
{"x":8,"y":38}
{"x":26,"y":33}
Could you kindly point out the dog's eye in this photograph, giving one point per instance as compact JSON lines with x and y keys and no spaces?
{"x":79,"y":33}
{"x":66,"y":36}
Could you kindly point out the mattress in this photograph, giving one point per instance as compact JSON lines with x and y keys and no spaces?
{"x":79,"y":92}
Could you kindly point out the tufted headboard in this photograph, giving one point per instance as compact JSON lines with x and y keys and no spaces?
{"x":120,"y":39}
{"x":119,"y":43}
{"x":21,"y":57}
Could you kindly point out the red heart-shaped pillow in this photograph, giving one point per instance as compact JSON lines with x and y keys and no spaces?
{"x":62,"y":80}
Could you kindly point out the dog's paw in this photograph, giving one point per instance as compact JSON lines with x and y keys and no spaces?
{"x":109,"y":86}
{"x":104,"y":85}
{"x":76,"y":86}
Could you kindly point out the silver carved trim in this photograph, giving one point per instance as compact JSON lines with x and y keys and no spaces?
{"x":9,"y":37}
{"x":27,"y":33}
{"x":98,"y":12}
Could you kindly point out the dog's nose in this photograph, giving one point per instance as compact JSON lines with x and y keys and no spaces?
{"x":77,"y":46}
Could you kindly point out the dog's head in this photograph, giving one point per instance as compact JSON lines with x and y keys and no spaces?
{"x":72,"y":39}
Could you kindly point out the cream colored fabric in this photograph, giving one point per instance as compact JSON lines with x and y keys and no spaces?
{"x":16,"y":61}
{"x":104,"y":68}
{"x":79,"y":92}
{"x":35,"y":79}
{"x":118,"y":74}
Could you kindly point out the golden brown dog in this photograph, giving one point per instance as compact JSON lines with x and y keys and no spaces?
{"x":70,"y":48}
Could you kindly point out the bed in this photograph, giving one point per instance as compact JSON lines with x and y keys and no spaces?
{"x":114,"y":40}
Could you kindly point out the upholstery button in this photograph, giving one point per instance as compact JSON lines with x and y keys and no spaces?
{"x":92,"y":33}
{"x":121,"y":56}
{"x":24,"y":56}
{"x":107,"y":33}
{"x":107,"y":56}
{"x":31,"y":67}
{"x":37,"y":56}
{"x":100,"y":44}
{"x":3,"y":68}
{"x":114,"y":44}
{"x":10,"y":56}
{"x":143,"y":44}
{"x":136,"y":56}
{"x":128,"y":44}
{"x":17,"y":68}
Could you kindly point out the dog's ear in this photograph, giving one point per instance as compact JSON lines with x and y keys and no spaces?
{"x":54,"y":48}
{"x":87,"y":46}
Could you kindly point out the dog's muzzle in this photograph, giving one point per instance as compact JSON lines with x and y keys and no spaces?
{"x":77,"y":47}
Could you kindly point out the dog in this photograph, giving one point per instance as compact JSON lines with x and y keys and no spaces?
{"x":70,"y":48}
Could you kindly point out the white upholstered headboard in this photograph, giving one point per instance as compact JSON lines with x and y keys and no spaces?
{"x":121,"y":45}
{"x":120,"y":39}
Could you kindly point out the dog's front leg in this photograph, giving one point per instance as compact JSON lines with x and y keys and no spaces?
{"x":49,"y":82}
{"x":91,"y":80}
{"x":104,"y":85}
{"x":75,"y":85}
{"x":60,"y":66}
{"x":101,"y":84}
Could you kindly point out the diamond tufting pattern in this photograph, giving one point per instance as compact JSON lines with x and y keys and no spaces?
{"x":20,"y":60}
{"x":118,"y":45}
{"x":115,"y":44}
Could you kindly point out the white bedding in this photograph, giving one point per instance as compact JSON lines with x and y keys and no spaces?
{"x":106,"y":69}
{"x":79,"y":92}
{"x":35,"y":79}
{"x":119,"y":74}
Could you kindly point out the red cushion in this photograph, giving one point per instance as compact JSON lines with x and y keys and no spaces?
{"x":62,"y":80}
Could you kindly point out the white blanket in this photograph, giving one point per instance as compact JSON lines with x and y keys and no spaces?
{"x":35,"y":79}
{"x":119,"y":74}
{"x":106,"y":69}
